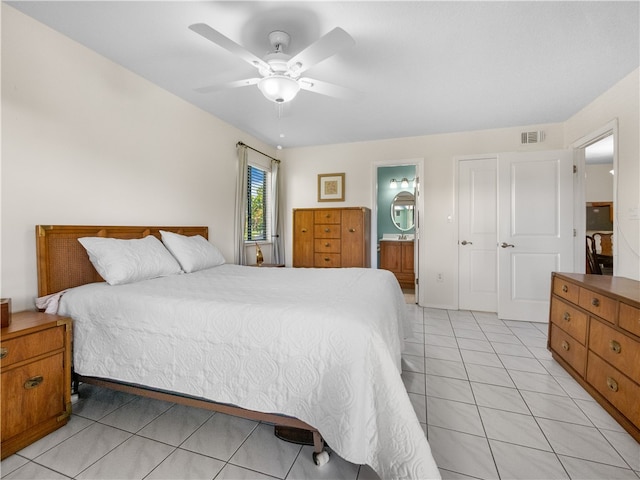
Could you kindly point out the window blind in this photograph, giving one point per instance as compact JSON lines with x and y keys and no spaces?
{"x":258,"y":220}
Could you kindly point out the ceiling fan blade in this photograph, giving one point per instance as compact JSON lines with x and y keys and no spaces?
{"x":323,"y":48}
{"x":219,"y":39}
{"x":224,"y":86}
{"x":329,"y":89}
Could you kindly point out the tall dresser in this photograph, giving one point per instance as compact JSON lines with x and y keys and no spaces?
{"x":332,"y":237}
{"x":594,"y":333}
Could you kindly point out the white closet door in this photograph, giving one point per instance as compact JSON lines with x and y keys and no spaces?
{"x":535,"y":233}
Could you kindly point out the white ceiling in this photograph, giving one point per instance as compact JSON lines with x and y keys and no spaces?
{"x":422,"y":67}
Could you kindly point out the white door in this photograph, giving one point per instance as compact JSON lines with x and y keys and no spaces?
{"x":535,"y":233}
{"x":477,"y":235}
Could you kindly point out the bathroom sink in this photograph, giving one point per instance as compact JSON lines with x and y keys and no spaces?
{"x":397,"y":237}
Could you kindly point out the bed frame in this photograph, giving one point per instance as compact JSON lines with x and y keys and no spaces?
{"x":63,"y":263}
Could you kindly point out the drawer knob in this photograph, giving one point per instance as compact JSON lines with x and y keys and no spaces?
{"x":328,"y":215}
{"x":304,"y":230}
{"x":595,"y":302}
{"x":4,"y":351}
{"x":33,"y":382}
{"x":612,"y":384}
{"x":327,"y":259}
{"x":327,"y":244}
{"x":565,"y":345}
{"x":327,"y":230}
{"x":566,"y":317}
{"x":352,"y":230}
{"x":615,"y":346}
{"x":565,"y":289}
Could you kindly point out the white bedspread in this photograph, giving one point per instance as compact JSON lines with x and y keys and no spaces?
{"x":321,"y":345}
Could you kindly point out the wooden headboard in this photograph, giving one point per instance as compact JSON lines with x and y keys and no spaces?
{"x":63,"y":262}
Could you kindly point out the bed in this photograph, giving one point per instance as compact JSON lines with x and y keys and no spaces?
{"x":316,"y":349}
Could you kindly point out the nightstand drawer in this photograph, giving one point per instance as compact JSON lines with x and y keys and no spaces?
{"x":618,"y":389}
{"x":569,"y":349}
{"x":34,"y":393}
{"x":569,"y":319}
{"x":598,"y":304}
{"x":617,"y":349}
{"x":28,"y":346}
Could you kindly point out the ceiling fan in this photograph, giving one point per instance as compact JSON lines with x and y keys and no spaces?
{"x":280,"y":74}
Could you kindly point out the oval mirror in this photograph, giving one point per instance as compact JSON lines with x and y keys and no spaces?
{"x":402,"y":208}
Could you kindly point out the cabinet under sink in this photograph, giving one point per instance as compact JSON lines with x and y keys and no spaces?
{"x":396,"y":255}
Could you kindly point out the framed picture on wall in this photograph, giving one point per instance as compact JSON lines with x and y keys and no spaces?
{"x":331,"y":187}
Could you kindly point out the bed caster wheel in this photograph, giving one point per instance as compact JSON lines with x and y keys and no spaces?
{"x":321,"y":458}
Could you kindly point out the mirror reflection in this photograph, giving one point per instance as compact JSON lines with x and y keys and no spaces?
{"x":402,"y":208}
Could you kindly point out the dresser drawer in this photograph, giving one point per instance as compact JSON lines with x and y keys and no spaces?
{"x":32,"y":394}
{"x":567,"y":290}
{"x":329,"y":260}
{"x":598,"y":304}
{"x":326,"y":231}
{"x":619,"y":350}
{"x":327,"y":216}
{"x":327,"y":245}
{"x":569,"y":319}
{"x":28,"y":346}
{"x":618,"y":389}
{"x":629,"y":318}
{"x":569,"y":349}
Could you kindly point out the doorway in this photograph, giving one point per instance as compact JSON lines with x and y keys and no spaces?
{"x":600,"y":207}
{"x":595,"y":181}
{"x":396,"y":223}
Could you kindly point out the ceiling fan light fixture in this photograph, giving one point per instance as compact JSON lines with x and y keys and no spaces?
{"x":279,"y":88}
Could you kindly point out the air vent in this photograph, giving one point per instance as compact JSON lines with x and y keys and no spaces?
{"x":532,"y":137}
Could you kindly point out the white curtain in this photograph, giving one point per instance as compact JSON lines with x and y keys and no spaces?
{"x":276,"y":234}
{"x":241,"y":205}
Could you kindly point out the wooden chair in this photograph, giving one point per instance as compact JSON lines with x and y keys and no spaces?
{"x":603,"y":248}
{"x":605,"y":241}
{"x":593,"y":266}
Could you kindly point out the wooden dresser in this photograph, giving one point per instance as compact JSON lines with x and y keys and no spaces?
{"x":594,"y":333}
{"x":36,"y":378}
{"x":332,"y":237}
{"x":397,"y":256}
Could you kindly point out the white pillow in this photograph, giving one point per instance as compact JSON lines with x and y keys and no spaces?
{"x":193,"y":253}
{"x":126,"y":261}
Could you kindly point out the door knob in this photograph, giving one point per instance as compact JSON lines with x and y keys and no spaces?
{"x":506,"y":245}
{"x":464,"y":242}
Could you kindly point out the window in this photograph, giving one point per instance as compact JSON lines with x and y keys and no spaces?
{"x":257,"y":226}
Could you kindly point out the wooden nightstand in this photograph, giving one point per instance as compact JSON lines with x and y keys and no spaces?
{"x":36,"y":378}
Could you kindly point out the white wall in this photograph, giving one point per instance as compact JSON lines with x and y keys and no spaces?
{"x":598,"y":185}
{"x":85,"y":141}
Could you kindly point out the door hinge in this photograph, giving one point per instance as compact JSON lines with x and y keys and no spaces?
{"x":417,"y":281}
{"x":575,"y":169}
{"x":575,"y":233}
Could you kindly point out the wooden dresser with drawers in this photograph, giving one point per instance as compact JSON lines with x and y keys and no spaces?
{"x":594,"y":333}
{"x":331,"y":237}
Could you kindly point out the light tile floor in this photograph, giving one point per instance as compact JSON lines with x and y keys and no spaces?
{"x":492,"y":401}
